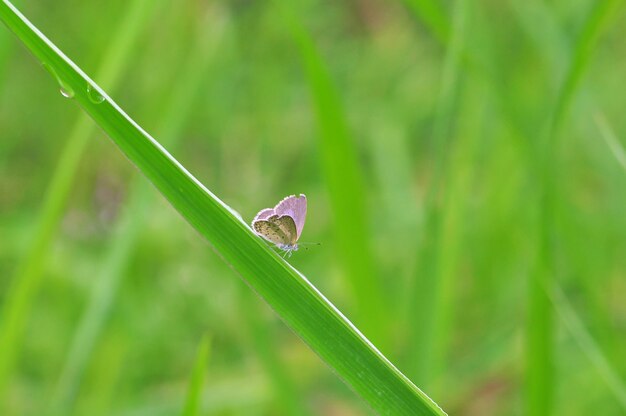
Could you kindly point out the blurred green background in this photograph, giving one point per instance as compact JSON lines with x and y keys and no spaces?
{"x":454,"y":155}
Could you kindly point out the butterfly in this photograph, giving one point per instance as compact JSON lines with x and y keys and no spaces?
{"x":282,"y":225}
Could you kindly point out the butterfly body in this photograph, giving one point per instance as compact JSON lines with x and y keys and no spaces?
{"x":282,"y":225}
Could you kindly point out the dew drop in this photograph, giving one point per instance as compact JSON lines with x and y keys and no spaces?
{"x":93,"y":94}
{"x":67,"y":93}
{"x":64,"y":88}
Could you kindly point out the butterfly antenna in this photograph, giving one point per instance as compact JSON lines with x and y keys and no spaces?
{"x":309,"y":244}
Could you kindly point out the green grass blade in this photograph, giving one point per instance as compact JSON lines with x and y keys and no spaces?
{"x":596,"y":23}
{"x":194,"y":393}
{"x":539,"y":356}
{"x":586,"y":342}
{"x":432,"y":287}
{"x":291,"y":295}
{"x":132,"y":221}
{"x":5,"y":50}
{"x":345,"y":183}
{"x":611,"y":140}
{"x":27,"y":280}
{"x":285,"y":389}
{"x":108,"y":374}
{"x":431,"y":12}
{"x":539,"y":343}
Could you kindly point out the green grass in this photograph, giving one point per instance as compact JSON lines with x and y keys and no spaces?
{"x":434,"y":306}
{"x":463,"y":167}
{"x":27,"y":280}
{"x":298,"y":303}
{"x":540,"y":379}
{"x":345,"y":182}
{"x":131,"y":223}
{"x":194,"y":394}
{"x":284,"y":386}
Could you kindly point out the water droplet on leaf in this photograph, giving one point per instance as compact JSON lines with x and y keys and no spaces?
{"x":64,"y":88}
{"x":67,"y":93}
{"x":93,"y":94}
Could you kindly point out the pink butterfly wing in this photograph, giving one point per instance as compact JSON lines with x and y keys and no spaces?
{"x":264,"y":214}
{"x":295,"y":207}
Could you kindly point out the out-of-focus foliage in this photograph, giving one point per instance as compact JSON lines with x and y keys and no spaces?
{"x":448,"y":107}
